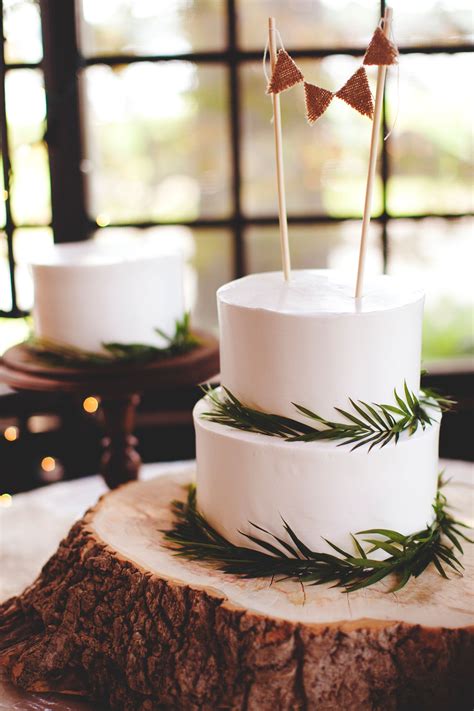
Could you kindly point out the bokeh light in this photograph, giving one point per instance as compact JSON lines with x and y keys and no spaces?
{"x":6,"y":500}
{"x":90,"y":404}
{"x":48,"y":464}
{"x":11,"y":433}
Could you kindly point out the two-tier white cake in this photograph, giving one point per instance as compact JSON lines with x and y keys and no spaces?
{"x":309,"y":342}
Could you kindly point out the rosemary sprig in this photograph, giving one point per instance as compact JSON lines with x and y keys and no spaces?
{"x":56,"y":354}
{"x":368,"y":424}
{"x":192,"y":537}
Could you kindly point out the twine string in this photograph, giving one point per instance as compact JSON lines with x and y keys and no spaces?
{"x":397,"y":110}
{"x":265,"y":53}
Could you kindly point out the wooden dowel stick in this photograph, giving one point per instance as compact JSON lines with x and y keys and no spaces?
{"x":374,"y":143}
{"x":284,"y":245}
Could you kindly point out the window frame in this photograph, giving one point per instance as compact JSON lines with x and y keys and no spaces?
{"x":61,"y":65}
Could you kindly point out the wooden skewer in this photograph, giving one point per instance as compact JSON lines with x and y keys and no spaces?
{"x":284,"y":245}
{"x":382,"y":70}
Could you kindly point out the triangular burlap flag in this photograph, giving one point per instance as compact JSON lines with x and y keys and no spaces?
{"x":356,"y":92}
{"x":380,"y":50}
{"x":285,"y":74}
{"x":317,"y":101}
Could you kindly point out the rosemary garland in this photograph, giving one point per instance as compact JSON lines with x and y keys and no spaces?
{"x":192,"y":537}
{"x":56,"y":354}
{"x":369,"y":424}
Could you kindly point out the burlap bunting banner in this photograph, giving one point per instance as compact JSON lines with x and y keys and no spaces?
{"x":380,"y":52}
{"x":285,"y":74}
{"x":317,"y":101}
{"x":355,"y":92}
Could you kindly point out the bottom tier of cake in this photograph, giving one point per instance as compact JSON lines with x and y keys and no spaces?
{"x":322,"y":490}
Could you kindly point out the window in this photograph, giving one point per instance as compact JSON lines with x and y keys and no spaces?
{"x":176,"y":143}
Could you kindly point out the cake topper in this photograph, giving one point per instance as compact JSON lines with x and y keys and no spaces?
{"x":356,"y":92}
{"x":382,"y":53}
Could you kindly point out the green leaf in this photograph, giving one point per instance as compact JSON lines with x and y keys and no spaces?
{"x":383,"y":545}
{"x":369,"y":580}
{"x":439,"y":567}
{"x":345,"y":554}
{"x":364,"y":414}
{"x":449,"y":534}
{"x":359,"y":423}
{"x":401,"y":404}
{"x":358,"y":547}
{"x":264,"y":544}
{"x":304,"y":550}
{"x":283,"y":543}
{"x":376,"y":415}
{"x":387,"y":532}
{"x":309,"y":413}
{"x":409,"y":397}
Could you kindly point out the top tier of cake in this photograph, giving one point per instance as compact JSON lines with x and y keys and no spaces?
{"x":311,"y":342}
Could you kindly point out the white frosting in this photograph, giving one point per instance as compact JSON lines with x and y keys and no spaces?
{"x":87,"y":294}
{"x":311,"y":342}
{"x":320,"y":489}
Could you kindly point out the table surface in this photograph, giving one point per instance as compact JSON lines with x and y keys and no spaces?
{"x":30,"y":530}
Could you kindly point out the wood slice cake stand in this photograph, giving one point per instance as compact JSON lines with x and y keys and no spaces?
{"x":117,"y":617}
{"x":119,"y":387}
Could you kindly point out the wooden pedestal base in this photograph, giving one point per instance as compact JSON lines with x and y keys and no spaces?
{"x":120,"y":460}
{"x":119,"y":387}
{"x":116,"y":616}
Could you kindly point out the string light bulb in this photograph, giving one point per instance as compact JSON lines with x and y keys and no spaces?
{"x":6,"y":500}
{"x":48,"y":464}
{"x":90,"y":404}
{"x":11,"y":433}
{"x":102,"y":220}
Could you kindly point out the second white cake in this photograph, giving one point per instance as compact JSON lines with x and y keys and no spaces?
{"x":88,"y":294}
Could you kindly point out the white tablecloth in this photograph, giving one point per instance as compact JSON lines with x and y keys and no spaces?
{"x":30,"y":530}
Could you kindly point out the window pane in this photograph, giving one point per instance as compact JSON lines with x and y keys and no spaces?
{"x":439,"y":254}
{"x":157,"y":142}
{"x":5,"y":295}
{"x":431,"y":146}
{"x":332,"y":246}
{"x":141,"y":27}
{"x":318,"y":23}
{"x":26,"y":115}
{"x":208,"y":255}
{"x":12,"y":331}
{"x":425,"y":22}
{"x":22,"y":29}
{"x":325,"y":164}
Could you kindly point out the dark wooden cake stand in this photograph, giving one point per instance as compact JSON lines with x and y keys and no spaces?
{"x":118,"y":387}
